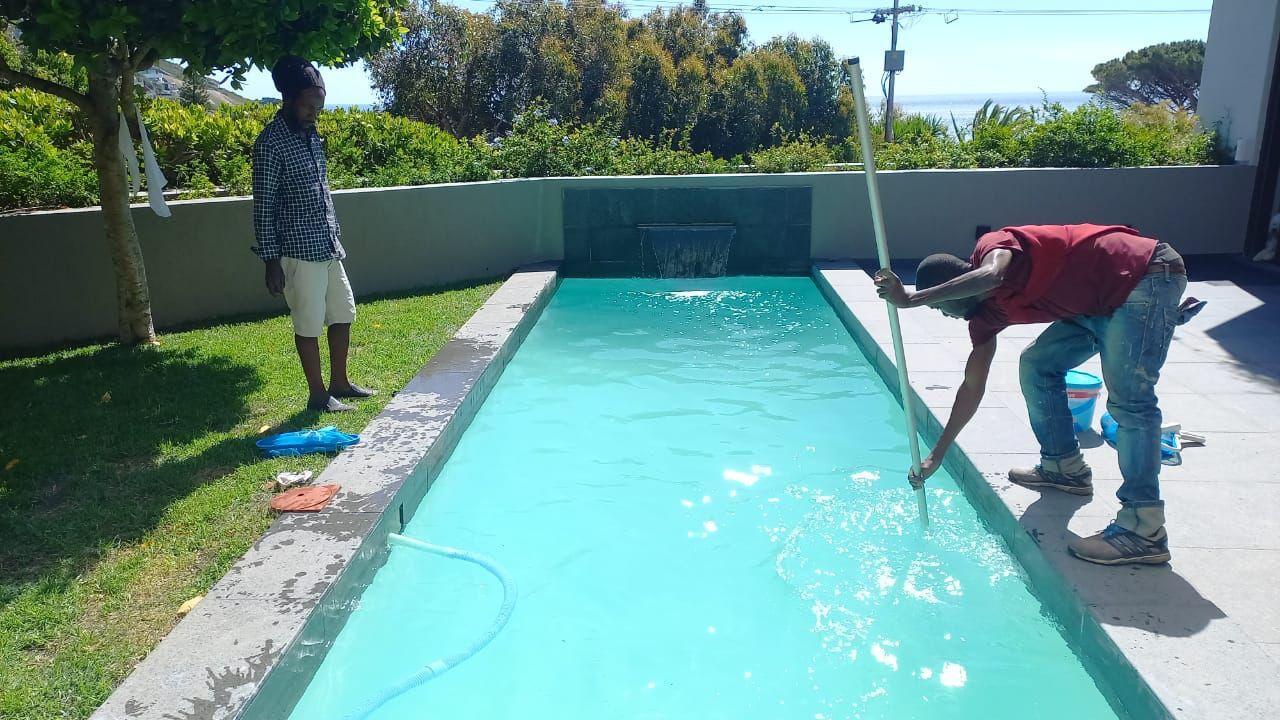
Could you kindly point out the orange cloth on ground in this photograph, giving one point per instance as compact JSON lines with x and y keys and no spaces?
{"x":304,"y":499}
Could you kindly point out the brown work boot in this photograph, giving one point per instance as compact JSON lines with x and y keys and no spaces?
{"x":1137,"y":536}
{"x":1070,"y":475}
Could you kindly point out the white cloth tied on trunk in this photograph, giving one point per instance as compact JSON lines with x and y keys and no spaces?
{"x":155,"y":178}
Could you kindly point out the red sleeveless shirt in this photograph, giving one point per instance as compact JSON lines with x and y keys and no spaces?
{"x":1059,"y":272}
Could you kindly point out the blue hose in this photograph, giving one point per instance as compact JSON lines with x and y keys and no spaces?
{"x":439,"y":667}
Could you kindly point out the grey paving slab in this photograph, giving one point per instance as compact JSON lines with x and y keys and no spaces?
{"x":995,"y":429}
{"x":1272,"y":650}
{"x":1227,"y":458}
{"x":211,"y":664}
{"x":1223,"y":515}
{"x":285,"y":599}
{"x":1253,"y":604}
{"x":1233,"y":377}
{"x":1204,"y":631}
{"x":297,"y":559}
{"x":1203,"y":679}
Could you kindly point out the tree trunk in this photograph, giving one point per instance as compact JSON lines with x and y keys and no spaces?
{"x":133,"y":299}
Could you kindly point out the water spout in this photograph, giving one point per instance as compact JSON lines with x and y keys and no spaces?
{"x":685,"y":251}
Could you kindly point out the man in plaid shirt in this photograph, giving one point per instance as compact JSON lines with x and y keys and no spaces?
{"x":297,"y":233}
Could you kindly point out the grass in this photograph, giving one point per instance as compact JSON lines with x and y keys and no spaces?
{"x":129,"y":482}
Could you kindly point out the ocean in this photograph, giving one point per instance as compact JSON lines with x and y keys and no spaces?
{"x":965,"y":105}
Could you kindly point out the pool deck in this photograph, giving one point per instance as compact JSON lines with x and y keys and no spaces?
{"x":1203,"y":631}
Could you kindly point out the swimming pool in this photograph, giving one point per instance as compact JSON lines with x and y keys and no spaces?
{"x":699,"y":487}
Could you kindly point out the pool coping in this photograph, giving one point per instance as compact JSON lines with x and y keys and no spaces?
{"x":850,"y":291}
{"x":250,"y":647}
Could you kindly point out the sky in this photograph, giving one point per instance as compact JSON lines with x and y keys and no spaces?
{"x":956,"y":54}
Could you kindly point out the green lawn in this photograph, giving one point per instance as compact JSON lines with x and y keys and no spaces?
{"x":129,"y":482}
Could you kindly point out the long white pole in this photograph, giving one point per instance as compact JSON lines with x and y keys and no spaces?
{"x":882,"y":249}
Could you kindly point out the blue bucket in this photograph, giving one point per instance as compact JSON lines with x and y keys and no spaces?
{"x":1082,"y":397}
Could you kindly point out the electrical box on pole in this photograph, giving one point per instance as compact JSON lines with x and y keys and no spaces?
{"x":894,"y":59}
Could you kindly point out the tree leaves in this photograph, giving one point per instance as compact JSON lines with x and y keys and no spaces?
{"x":1167,"y":71}
{"x":208,"y":35}
{"x":683,"y":70}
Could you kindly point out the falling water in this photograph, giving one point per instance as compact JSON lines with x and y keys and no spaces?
{"x":685,"y":251}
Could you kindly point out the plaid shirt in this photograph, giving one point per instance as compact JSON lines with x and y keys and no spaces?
{"x":292,"y":211}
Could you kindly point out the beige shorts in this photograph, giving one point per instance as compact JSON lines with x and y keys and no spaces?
{"x":318,"y":294}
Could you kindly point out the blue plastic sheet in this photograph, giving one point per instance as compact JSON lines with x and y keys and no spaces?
{"x":301,"y":442}
{"x":1170,"y":448}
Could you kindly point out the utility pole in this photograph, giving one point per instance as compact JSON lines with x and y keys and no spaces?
{"x":893,"y":58}
{"x":892,"y":64}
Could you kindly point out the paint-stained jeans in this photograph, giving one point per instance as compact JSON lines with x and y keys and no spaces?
{"x":1134,"y":342}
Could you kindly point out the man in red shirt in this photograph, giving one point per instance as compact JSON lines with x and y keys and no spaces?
{"x":1107,"y":290}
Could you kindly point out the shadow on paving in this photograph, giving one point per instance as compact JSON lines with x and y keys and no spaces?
{"x":1152,"y":598}
{"x":1252,"y":338}
{"x":87,"y":476}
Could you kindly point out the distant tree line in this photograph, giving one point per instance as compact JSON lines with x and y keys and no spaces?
{"x":684,"y":74}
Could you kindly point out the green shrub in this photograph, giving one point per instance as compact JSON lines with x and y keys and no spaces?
{"x":998,"y":145}
{"x":204,"y":149}
{"x":803,"y":154}
{"x":1089,"y":136}
{"x":924,"y":154}
{"x":643,"y":157}
{"x":918,"y":128}
{"x":1165,"y":135}
{"x":46,"y":156}
{"x":375,"y":149}
{"x":538,"y":146}
{"x":473,"y":160}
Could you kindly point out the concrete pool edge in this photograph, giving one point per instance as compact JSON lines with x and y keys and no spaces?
{"x":849,"y":290}
{"x":249,"y":648}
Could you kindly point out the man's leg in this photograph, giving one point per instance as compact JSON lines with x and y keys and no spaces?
{"x":1042,"y":372}
{"x":339,"y":347}
{"x":305,"y":286}
{"x":340,"y":312}
{"x":1135,"y":343}
{"x":309,"y":354}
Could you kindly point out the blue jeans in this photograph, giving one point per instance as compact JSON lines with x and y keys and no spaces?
{"x":1134,"y":342}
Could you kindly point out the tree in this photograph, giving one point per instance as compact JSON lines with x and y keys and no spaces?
{"x":823,"y":79}
{"x":526,"y":30}
{"x":728,"y":36}
{"x":1168,"y":71}
{"x":785,"y":103}
{"x":651,"y":93}
{"x":682,"y":31}
{"x":194,"y":91}
{"x":597,"y":36}
{"x":991,"y":113}
{"x":690,"y":93}
{"x":112,"y":41}
{"x":443,"y":70}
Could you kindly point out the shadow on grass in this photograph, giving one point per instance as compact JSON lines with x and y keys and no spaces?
{"x":99,"y":439}
{"x":106,"y":441}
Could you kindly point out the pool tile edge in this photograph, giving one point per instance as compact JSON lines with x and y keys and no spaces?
{"x":847,"y":288}
{"x":289,"y":594}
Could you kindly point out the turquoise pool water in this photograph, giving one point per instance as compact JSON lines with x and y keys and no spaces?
{"x":700,"y":488}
